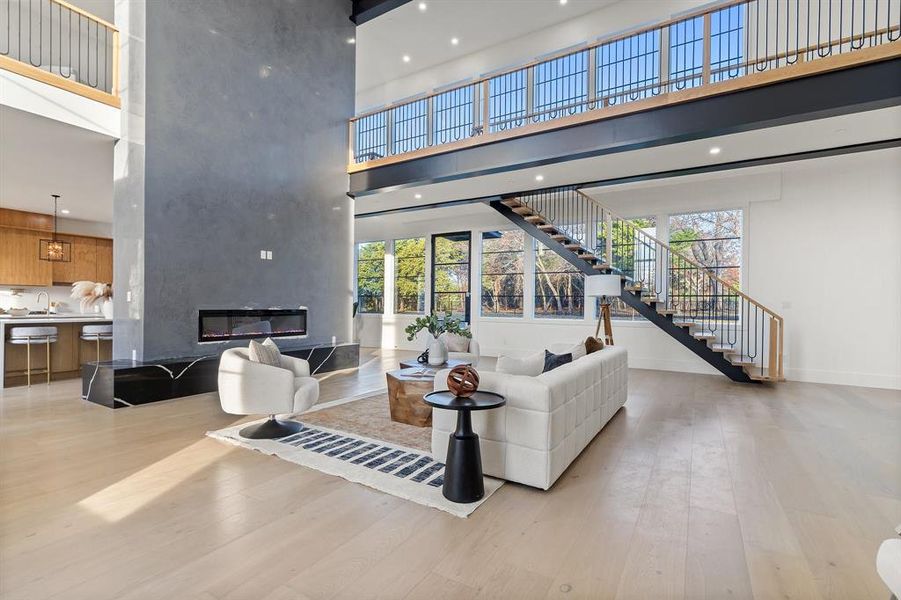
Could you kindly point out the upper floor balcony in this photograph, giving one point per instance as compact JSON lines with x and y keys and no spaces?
{"x":62,"y":45}
{"x":718,"y":49}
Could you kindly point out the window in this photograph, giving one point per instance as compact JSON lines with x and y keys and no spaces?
{"x":560,"y":86}
{"x":502,"y":274}
{"x":450,"y":274}
{"x":712,"y":239}
{"x":507,"y":104}
{"x":726,"y":43}
{"x":559,"y":287}
{"x":409,"y":126}
{"x":452,"y":115}
{"x":371,"y":277}
{"x":635,"y":257}
{"x":409,"y":276}
{"x":629,"y":69}
{"x":686,"y":53}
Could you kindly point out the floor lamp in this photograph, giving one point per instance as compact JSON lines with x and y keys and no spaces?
{"x":604,"y":287}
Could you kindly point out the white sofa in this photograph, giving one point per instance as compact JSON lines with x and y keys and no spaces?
{"x":250,"y":388}
{"x":548,"y":419}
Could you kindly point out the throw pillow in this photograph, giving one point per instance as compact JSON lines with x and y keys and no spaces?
{"x":530,"y":366}
{"x":593,"y":344}
{"x":456,"y":343}
{"x":578,"y":351}
{"x":552,"y":361}
{"x":266,"y":353}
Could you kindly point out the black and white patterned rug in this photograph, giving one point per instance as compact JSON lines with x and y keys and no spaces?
{"x":403,"y":472}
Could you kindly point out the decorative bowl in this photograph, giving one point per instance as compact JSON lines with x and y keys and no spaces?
{"x":18,"y":312}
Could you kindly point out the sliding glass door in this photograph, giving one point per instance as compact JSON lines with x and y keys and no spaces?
{"x":451,"y":254}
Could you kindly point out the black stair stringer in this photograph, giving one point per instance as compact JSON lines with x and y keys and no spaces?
{"x":649,"y":311}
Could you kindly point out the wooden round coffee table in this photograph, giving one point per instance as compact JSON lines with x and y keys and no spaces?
{"x":463,"y":466}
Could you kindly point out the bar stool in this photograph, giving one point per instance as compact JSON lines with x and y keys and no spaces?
{"x":97,"y":333}
{"x":34,"y":335}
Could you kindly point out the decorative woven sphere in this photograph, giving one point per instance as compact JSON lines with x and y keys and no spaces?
{"x":463,"y":381}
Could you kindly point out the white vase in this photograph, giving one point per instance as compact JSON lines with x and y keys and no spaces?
{"x":437,"y":351}
{"x":107,"y":308}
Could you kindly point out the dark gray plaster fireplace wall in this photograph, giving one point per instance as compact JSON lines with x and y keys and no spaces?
{"x":244,"y":149}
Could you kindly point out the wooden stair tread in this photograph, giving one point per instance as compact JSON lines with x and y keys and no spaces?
{"x":758,"y":374}
{"x":512,"y":203}
{"x":602,"y":267}
{"x":573,"y":246}
{"x":704,"y":336}
{"x":559,"y":237}
{"x":724,"y":348}
{"x":685,"y":324}
{"x":522,"y":210}
{"x":666,"y":311}
{"x":547,"y":227}
{"x":535,"y":219}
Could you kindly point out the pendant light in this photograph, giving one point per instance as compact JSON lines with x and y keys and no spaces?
{"x":55,"y":250}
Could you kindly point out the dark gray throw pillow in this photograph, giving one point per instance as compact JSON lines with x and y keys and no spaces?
{"x":552,"y":361}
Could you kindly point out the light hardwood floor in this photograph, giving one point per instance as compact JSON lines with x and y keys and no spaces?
{"x":699,"y":488}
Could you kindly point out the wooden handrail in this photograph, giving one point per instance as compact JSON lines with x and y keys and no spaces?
{"x":706,"y":270}
{"x":85,"y":13}
{"x":24,"y":66}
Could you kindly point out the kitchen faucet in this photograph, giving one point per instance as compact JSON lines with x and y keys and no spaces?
{"x":48,"y":299}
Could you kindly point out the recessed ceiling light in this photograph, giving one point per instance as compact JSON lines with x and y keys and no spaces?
{"x":65,"y":211}
{"x":422,"y":6}
{"x":539,"y":178}
{"x":417,"y":196}
{"x":715,"y":150}
{"x":406,"y":58}
{"x":562,"y":2}
{"x":351,"y":40}
{"x":455,"y":41}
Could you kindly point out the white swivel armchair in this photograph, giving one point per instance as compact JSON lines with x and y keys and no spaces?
{"x":461,"y":348}
{"x":250,"y":388}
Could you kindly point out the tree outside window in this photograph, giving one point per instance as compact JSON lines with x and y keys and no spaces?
{"x":559,"y":287}
{"x":502,"y":274}
{"x":371,"y":277}
{"x":409,"y":276}
{"x":712,"y":239}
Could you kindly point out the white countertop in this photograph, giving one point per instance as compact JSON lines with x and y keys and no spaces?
{"x":72,"y":318}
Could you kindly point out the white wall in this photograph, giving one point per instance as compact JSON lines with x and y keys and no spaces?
{"x":626,"y":14}
{"x":822,"y":247}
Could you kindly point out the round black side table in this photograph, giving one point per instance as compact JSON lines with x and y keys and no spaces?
{"x":463,"y":467}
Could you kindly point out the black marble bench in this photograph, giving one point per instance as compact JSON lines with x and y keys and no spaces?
{"x":121,"y":383}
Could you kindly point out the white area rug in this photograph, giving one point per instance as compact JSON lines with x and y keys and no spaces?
{"x":403,"y":472}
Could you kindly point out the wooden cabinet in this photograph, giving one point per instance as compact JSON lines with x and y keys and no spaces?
{"x":83,"y":266}
{"x":104,"y":261}
{"x":92,"y":258}
{"x":19,"y":262}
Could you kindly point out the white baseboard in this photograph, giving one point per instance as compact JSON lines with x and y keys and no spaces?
{"x":870,"y":380}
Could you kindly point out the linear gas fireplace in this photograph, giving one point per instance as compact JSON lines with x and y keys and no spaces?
{"x":225,"y":325}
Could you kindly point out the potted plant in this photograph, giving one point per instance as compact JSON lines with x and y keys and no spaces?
{"x":436,"y":325}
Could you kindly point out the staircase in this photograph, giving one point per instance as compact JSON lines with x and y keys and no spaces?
{"x":711,"y":317}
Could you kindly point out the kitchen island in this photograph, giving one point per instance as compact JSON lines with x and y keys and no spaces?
{"x":67,"y":354}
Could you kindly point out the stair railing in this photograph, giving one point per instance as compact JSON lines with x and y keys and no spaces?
{"x":677,"y":284}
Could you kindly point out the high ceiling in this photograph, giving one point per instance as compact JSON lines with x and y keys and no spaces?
{"x":425,"y":35}
{"x":39,"y":157}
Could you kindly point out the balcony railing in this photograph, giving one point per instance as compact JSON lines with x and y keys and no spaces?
{"x":62,"y":45}
{"x":736,"y":44}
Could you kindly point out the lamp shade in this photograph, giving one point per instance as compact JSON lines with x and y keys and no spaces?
{"x":603,"y":285}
